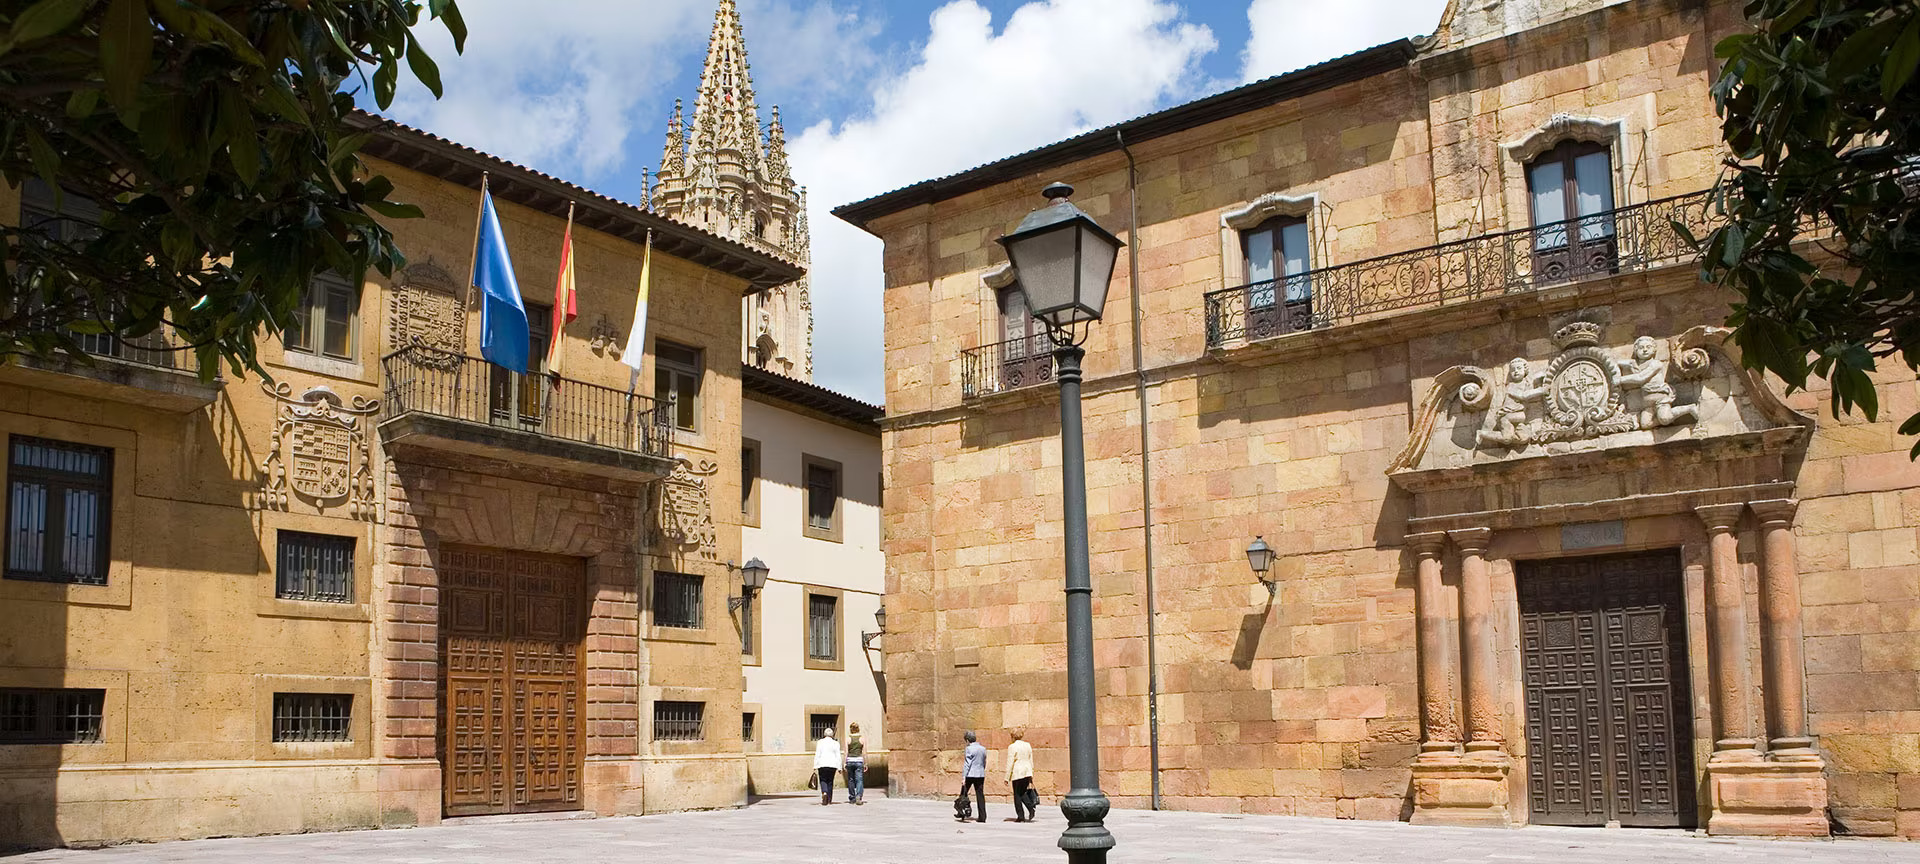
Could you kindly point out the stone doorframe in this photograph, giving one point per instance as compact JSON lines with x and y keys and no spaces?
{"x":1470,"y":770}
{"x":435,"y":499}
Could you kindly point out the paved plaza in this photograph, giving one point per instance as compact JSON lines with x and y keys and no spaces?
{"x":923,"y":832}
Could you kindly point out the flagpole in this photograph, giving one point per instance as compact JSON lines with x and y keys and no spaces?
{"x":473,"y":257}
{"x":557,"y":319}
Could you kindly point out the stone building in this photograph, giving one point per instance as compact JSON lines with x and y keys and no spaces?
{"x":1418,"y":317}
{"x":721,"y":173}
{"x":810,"y":501}
{"x":394,"y":583}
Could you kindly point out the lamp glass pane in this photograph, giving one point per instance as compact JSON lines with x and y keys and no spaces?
{"x":1097,"y":255}
{"x":1045,"y":264}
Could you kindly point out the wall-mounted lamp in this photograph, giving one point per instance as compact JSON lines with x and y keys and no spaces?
{"x":1260,"y":557}
{"x":753,"y":577}
{"x":879,"y":620}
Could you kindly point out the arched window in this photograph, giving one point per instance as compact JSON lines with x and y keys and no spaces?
{"x":1570,"y":196}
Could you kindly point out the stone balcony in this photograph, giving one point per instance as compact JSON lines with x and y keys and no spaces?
{"x":460,"y":406}
{"x":1633,"y":239}
{"x":149,"y":372}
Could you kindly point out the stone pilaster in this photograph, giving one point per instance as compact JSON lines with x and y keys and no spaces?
{"x":1787,"y":793}
{"x":1449,"y":789}
{"x":1732,"y":687}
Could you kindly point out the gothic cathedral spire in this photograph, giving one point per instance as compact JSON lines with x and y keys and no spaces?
{"x":721,"y":173}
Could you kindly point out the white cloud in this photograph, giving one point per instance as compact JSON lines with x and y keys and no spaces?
{"x":973,"y":95}
{"x":1289,"y":34}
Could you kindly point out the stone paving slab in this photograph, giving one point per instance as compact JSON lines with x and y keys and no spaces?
{"x":800,"y":831}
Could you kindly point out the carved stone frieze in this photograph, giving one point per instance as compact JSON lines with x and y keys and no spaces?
{"x":425,"y":309}
{"x":605,"y":338}
{"x":686,"y":507}
{"x":1590,"y":396}
{"x":320,"y":451}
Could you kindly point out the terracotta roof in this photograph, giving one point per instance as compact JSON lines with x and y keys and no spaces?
{"x":1220,"y":106}
{"x":809,"y":395}
{"x":423,"y":151}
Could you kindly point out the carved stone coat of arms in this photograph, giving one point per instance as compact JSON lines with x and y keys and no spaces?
{"x":320,"y":451}
{"x":686,"y":507}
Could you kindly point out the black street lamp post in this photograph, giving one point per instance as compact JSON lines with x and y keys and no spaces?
{"x":1064,"y":261}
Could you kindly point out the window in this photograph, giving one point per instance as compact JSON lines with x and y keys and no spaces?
{"x":58,"y":503}
{"x":679,"y":721}
{"x":676,"y":600}
{"x":822,"y":725}
{"x":51,"y":716}
{"x":314,"y":567}
{"x":1025,"y":356}
{"x":823,"y":498}
{"x":750,"y":482}
{"x":518,"y":397}
{"x":312,"y":717}
{"x":746,"y":625}
{"x":66,"y":219}
{"x":746,"y":725}
{"x":676,"y":378}
{"x":1276,"y":261}
{"x":326,"y":321}
{"x":1574,"y":180}
{"x":823,"y":627}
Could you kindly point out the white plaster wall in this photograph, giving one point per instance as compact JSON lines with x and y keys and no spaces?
{"x":781,"y":684}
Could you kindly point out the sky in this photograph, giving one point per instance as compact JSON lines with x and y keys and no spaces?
{"x":875,"y":95}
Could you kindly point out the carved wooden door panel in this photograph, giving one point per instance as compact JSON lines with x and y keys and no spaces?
{"x":510,"y":633}
{"x":1609,"y":717}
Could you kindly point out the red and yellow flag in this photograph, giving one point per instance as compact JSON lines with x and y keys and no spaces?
{"x":565,"y":303}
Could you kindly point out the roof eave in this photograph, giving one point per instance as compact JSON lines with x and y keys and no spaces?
{"x":1220,"y":106}
{"x":455,"y":163}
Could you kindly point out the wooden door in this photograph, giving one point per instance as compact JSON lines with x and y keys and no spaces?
{"x":510,"y":633}
{"x":1609,"y":717}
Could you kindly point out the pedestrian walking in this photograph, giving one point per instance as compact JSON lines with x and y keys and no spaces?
{"x":1020,"y":774}
{"x":826,"y":761}
{"x":976,"y":776}
{"x":856,"y":766}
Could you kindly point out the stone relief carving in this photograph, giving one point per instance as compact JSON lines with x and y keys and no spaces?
{"x":605,"y":338}
{"x":425,"y":309}
{"x":1588,"y":396}
{"x":320,"y":451}
{"x":686,"y":507}
{"x":1564,"y":127}
{"x":1267,"y":207}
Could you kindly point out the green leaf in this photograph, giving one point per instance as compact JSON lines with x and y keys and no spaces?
{"x":396,"y":210}
{"x":1790,"y":18}
{"x":1862,"y":48}
{"x":46,"y":160}
{"x":44,"y":19}
{"x":423,"y":66}
{"x":126,"y":51}
{"x":1902,"y":58}
{"x":83,"y":103}
{"x":243,"y":143}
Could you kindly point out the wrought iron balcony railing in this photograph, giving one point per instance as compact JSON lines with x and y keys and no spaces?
{"x":423,"y":380}
{"x":150,"y":350}
{"x":1004,"y":366}
{"x":1625,"y":240}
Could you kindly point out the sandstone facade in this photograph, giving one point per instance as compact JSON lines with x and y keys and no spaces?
{"x":416,"y":460}
{"x":1355,"y":418}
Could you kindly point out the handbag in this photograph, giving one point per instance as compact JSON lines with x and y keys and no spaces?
{"x":813,"y":780}
{"x":1032,"y":798}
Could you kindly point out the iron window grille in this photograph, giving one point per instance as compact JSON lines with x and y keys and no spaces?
{"x":51,"y":716}
{"x":679,"y":721}
{"x":822,"y":618}
{"x":312,"y":717}
{"x":315,"y":567}
{"x":676,"y":600}
{"x":746,"y":725}
{"x":58,"y":504}
{"x":821,"y":725}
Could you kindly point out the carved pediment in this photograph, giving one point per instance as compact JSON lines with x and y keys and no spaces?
{"x":1589,"y":396}
{"x":1564,"y":127}
{"x":1267,"y":207}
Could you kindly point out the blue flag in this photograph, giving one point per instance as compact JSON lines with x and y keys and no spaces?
{"x":503,"y":321}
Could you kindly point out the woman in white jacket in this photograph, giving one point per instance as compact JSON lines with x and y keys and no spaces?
{"x":826,"y":761}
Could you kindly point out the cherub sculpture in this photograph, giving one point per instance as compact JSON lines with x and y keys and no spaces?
{"x":1649,"y":373}
{"x":1510,"y":419}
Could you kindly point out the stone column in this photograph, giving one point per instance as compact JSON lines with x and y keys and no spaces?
{"x":1476,"y":637}
{"x":1781,"y":645}
{"x":1438,"y":701}
{"x":1727,"y":636}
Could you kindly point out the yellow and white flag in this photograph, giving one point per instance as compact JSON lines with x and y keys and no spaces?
{"x":635,"y":354}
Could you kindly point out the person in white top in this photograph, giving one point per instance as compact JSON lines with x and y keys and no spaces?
{"x":826,"y":761}
{"x":1020,"y":774}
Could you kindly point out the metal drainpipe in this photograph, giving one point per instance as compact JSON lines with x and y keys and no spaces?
{"x":1146,"y":460}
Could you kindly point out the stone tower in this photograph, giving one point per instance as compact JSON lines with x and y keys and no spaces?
{"x":720,"y":172}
